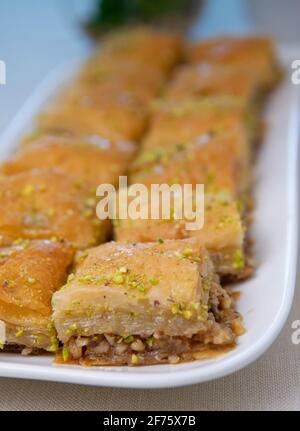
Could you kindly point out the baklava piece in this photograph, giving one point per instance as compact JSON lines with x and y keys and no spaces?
{"x":206,"y":80}
{"x":42,"y":204}
{"x":175,"y":123}
{"x":255,"y":53}
{"x":144,"y":45}
{"x":85,"y":113}
{"x":220,"y":162}
{"x":222,"y":233}
{"x":112,"y":94}
{"x":30,"y":272}
{"x":142,"y":304}
{"x":92,"y":159}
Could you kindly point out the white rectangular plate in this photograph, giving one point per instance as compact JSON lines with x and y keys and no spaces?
{"x":266,"y":298}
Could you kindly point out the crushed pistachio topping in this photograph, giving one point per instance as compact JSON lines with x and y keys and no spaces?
{"x":154,"y":281}
{"x":187,"y":252}
{"x":70,"y":277}
{"x":87,"y":279}
{"x":72,"y":328}
{"x":140,"y":287}
{"x":19,"y":332}
{"x":118,"y":279}
{"x":22,"y":242}
{"x":203,"y":314}
{"x":238,"y":260}
{"x":54,"y":344}
{"x":225,"y":221}
{"x":65,"y":354}
{"x":82,"y":255}
{"x":129,"y":339}
{"x":27,"y":190}
{"x":153,"y":155}
{"x":150,"y":341}
{"x":134,"y":359}
{"x":206,"y":284}
{"x":187,"y":314}
{"x":8,"y":283}
{"x":181,"y":309}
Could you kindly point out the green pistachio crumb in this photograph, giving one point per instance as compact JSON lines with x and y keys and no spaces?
{"x":27,"y":190}
{"x":19,"y":332}
{"x":70,"y":278}
{"x":134,"y":359}
{"x":65,"y":354}
{"x":140,"y":287}
{"x":238,"y":260}
{"x":154,"y":281}
{"x":187,"y":314}
{"x":54,"y":344}
{"x":187,"y":252}
{"x":118,"y":279}
{"x":150,"y":341}
{"x":129,"y":339}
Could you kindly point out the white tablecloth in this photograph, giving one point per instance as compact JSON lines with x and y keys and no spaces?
{"x":273,"y":382}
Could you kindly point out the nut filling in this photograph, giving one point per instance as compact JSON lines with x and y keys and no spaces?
{"x":222,"y":327}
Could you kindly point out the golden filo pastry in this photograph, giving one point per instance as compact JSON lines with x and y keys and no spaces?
{"x":112,"y":116}
{"x":140,"y":304}
{"x":42,"y":204}
{"x":30,"y":272}
{"x":91,"y":159}
{"x":208,"y":79}
{"x":222,"y":232}
{"x":129,"y":78}
{"x":219,"y":162}
{"x":256,"y":53}
{"x":144,"y":45}
{"x":111,"y":96}
{"x":175,"y":123}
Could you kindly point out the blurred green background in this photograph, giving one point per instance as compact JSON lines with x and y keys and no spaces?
{"x":112,"y":13}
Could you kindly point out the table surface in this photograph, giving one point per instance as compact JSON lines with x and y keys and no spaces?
{"x":30,"y":50}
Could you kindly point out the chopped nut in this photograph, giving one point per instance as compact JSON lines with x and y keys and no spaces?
{"x":134,"y":359}
{"x":237,"y":326}
{"x":137,"y":345}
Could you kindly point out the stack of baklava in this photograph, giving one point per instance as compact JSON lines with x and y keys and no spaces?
{"x":153,"y":295}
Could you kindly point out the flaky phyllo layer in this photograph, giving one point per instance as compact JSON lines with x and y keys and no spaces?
{"x":142,"y":303}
